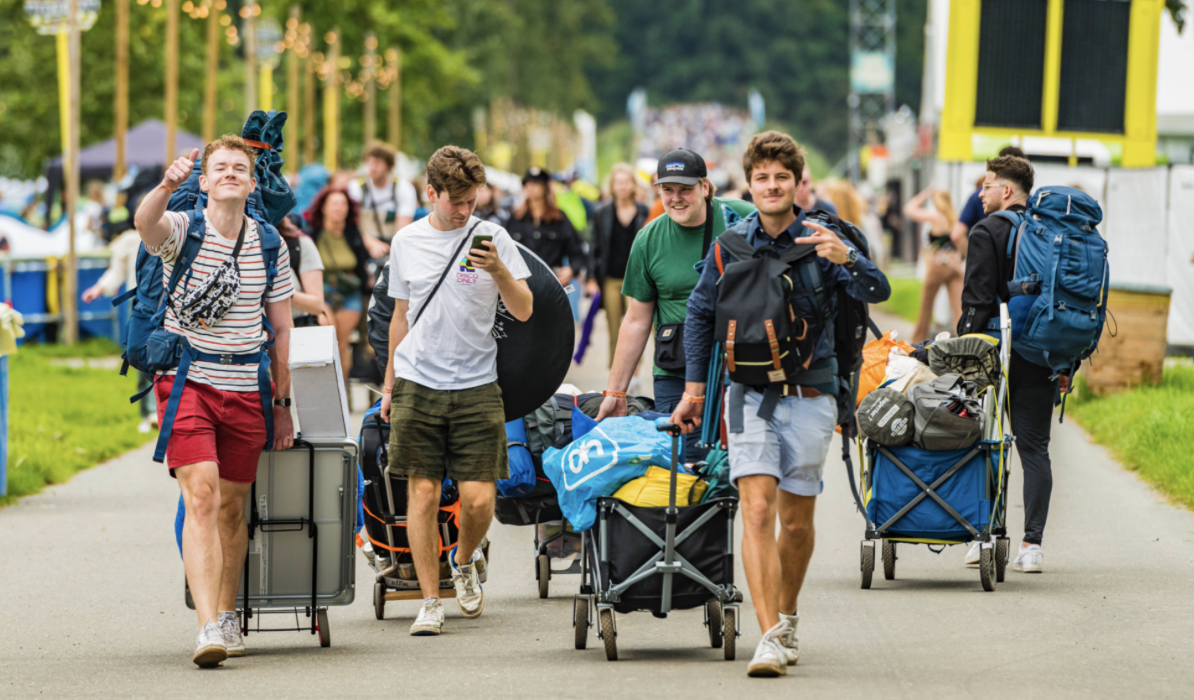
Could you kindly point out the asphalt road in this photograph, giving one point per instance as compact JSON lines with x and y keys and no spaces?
{"x":93,"y":593}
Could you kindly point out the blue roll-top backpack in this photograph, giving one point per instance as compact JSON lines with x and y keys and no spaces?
{"x":1058,"y":293}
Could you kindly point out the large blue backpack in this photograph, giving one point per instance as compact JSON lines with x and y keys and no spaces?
{"x":148,"y":346}
{"x":1058,"y":292}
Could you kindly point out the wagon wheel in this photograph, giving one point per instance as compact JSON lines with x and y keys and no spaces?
{"x":379,"y":600}
{"x":713,"y":622}
{"x":544,"y":574}
{"x":986,"y":568}
{"x":325,"y":632}
{"x":868,"y":565}
{"x":1001,"y":547}
{"x":580,"y":620}
{"x":889,"y":560}
{"x":730,"y":632}
{"x":608,"y":634}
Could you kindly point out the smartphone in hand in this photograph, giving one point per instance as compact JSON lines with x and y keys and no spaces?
{"x":478,"y":239}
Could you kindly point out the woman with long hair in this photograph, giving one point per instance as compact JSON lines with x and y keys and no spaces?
{"x":944,"y":264}
{"x":853,"y":208}
{"x":307,"y":303}
{"x":539,"y":224}
{"x":334,"y":225}
{"x":615,"y":226}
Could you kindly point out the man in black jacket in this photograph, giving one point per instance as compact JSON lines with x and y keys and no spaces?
{"x":1007,"y":184}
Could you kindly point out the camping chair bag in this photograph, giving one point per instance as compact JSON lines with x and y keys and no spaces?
{"x":966,"y":492}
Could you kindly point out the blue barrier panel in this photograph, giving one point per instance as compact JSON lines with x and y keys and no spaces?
{"x":26,"y":285}
{"x":97,"y":319}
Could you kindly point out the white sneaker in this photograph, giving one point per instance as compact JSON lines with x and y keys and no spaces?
{"x":210,"y":649}
{"x":972,"y":556}
{"x":430,"y":620}
{"x":479,"y":560}
{"x":469,"y":595}
{"x":789,"y":640}
{"x":230,"y":628}
{"x":770,"y":658}
{"x":144,"y":427}
{"x":1030,"y":559}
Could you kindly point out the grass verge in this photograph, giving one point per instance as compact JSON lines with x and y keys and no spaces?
{"x":63,"y":420}
{"x":905,"y":298}
{"x":1149,"y":429}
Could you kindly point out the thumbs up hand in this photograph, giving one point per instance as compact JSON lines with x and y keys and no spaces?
{"x":180,"y":170}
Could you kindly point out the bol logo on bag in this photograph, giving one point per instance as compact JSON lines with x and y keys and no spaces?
{"x":590,"y":451}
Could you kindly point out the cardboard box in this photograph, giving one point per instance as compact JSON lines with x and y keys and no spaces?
{"x":317,"y":383}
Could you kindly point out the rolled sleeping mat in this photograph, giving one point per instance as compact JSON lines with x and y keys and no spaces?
{"x":533,"y":355}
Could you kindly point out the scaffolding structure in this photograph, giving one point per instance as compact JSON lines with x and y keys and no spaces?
{"x":872,"y":74}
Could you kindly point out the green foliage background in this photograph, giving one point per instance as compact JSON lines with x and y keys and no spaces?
{"x":557,"y":55}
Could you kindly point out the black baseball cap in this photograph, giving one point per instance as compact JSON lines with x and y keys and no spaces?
{"x":682,"y":167}
{"x":536,"y":175}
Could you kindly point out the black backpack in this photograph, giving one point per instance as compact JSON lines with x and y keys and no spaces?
{"x":769,"y":291}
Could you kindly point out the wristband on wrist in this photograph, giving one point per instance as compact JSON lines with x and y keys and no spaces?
{"x":698,"y":400}
{"x":166,"y":187}
{"x":616,"y":394}
{"x":387,"y":390}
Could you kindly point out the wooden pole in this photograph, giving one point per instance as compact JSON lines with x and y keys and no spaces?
{"x":331,"y":104}
{"x":394,"y":128}
{"x":371,"y":90}
{"x":249,"y":36}
{"x":309,"y":112}
{"x":292,"y":92}
{"x":171,"y":80}
{"x":212,"y":73}
{"x":70,"y":286}
{"x":122,"y":87}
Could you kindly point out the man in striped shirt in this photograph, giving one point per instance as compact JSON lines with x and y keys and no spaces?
{"x":219,"y":428}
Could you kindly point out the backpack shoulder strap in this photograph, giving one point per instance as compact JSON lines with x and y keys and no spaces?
{"x":736,"y":245}
{"x":189,"y":248}
{"x":271,"y":245}
{"x":1018,"y":222}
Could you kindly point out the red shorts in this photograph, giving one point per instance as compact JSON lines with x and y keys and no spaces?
{"x":225,"y":427}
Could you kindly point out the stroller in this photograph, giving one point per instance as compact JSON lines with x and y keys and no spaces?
{"x":384,"y":502}
{"x":941,"y":498}
{"x":659,"y":560}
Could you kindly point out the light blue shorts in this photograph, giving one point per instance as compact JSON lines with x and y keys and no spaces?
{"x":791,"y":447}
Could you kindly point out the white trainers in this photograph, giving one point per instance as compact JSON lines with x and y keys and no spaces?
{"x":210,"y":649}
{"x":230,"y":628}
{"x":430,"y":620}
{"x":770,"y":659}
{"x":144,"y":426}
{"x":469,"y":595}
{"x":479,"y":560}
{"x":972,"y":556}
{"x":1030,"y":559}
{"x":789,"y":640}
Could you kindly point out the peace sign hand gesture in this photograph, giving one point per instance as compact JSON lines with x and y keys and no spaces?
{"x":829,"y":246}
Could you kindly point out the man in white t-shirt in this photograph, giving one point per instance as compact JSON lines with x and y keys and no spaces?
{"x":215,"y":425}
{"x":441,"y":393}
{"x":388,"y":203}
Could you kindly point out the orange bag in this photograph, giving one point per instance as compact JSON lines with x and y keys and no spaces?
{"x":874,"y":362}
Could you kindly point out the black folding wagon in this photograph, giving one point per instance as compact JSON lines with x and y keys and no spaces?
{"x":658,"y":560}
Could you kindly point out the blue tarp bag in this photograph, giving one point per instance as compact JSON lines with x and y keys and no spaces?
{"x":966,"y":492}
{"x":1058,"y":295}
{"x":601,"y":461}
{"x":522,"y":467}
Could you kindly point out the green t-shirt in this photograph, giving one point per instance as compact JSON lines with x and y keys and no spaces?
{"x":663,"y":258}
